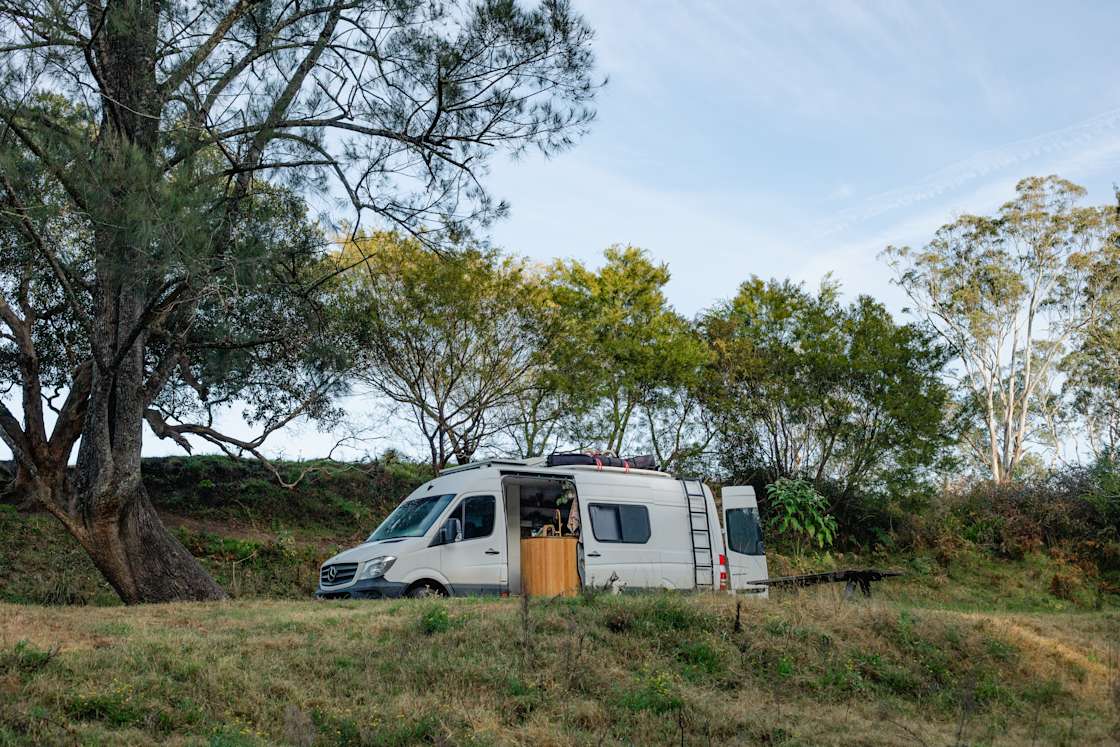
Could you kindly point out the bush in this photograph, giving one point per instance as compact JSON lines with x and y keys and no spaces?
{"x":25,"y":659}
{"x":337,"y":495}
{"x":800,"y":513}
{"x":435,"y":620}
{"x":1073,"y":512}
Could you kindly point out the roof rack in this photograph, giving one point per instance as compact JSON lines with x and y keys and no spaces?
{"x":542,"y":462}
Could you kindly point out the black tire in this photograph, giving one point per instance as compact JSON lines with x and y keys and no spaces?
{"x":426,"y":591}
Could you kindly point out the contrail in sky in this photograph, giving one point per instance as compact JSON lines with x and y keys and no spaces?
{"x":956,"y":175}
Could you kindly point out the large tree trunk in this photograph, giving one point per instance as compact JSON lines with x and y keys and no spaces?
{"x":105,"y":506}
{"x":109,"y":510}
{"x":142,"y":560}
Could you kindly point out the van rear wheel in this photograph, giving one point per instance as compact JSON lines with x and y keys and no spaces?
{"x":426,"y":591}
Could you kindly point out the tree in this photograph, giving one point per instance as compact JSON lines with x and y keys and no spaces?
{"x":1092,"y":369}
{"x":615,"y":343}
{"x":534,"y":419}
{"x":1092,"y":384}
{"x":679,"y":428}
{"x":448,"y":336}
{"x":801,"y":387}
{"x":141,"y":148}
{"x":1009,"y":293}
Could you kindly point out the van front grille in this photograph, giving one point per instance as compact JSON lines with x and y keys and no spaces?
{"x":338,"y":573}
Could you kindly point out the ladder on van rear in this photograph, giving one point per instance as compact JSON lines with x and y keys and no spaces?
{"x":701,"y":534}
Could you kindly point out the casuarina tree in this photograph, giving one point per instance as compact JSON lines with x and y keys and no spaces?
{"x":155,"y":157}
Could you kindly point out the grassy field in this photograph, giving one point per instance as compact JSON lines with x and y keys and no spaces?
{"x":801,"y":669}
{"x":966,"y":648}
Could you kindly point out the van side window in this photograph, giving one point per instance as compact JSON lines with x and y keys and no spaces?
{"x":614,"y":522}
{"x":478,"y":516}
{"x":744,"y":533}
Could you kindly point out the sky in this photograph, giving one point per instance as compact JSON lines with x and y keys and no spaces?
{"x":801,"y":138}
{"x":796,"y":139}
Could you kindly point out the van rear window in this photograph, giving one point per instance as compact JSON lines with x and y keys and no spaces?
{"x":744,"y":533}
{"x":616,"y":522}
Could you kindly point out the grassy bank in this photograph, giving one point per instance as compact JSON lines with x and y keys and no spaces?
{"x":808,"y":669}
{"x":255,"y":537}
{"x":279,"y":559}
{"x":966,"y":648}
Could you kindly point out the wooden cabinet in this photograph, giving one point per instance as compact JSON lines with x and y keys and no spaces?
{"x":548,"y":566}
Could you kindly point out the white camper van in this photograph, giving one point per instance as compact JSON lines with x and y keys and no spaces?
{"x":460,"y":534}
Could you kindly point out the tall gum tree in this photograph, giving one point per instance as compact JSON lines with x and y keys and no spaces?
{"x":1010,"y":294}
{"x":152,"y":153}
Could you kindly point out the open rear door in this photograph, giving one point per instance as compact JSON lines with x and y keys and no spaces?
{"x":746,"y":555}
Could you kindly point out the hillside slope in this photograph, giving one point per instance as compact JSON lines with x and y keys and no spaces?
{"x":257,"y":538}
{"x":808,"y":669}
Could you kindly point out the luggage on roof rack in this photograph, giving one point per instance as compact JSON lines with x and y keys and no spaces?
{"x":560,"y":459}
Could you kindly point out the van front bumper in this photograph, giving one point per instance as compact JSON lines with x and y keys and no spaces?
{"x":370,"y":588}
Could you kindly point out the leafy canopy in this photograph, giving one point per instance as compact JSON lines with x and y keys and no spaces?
{"x":800,"y":385}
{"x":615,"y":343}
{"x":450,"y":337}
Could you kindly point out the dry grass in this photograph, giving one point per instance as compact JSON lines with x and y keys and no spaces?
{"x":811,"y":669}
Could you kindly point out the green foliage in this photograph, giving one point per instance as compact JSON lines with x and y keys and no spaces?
{"x":25,"y":659}
{"x":653,"y":614}
{"x":801,"y":513}
{"x":1103,"y":491}
{"x":1011,"y":294}
{"x":434,"y":620}
{"x":147,"y":239}
{"x":451,"y":336}
{"x":653,"y":691}
{"x":347,"y":498}
{"x":1071,"y":513}
{"x":615,"y":344}
{"x":112,"y":709}
{"x":801,"y":386}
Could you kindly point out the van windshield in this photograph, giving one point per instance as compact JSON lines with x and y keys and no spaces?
{"x":411,"y":518}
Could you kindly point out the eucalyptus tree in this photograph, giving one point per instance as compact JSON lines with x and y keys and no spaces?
{"x":1010,"y":294}
{"x":1092,"y":369}
{"x":146,"y":148}
{"x":1092,"y":383}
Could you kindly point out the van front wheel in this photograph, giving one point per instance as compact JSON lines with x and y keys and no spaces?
{"x":426,"y":591}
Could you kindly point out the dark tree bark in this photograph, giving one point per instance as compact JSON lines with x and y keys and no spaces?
{"x":116,"y":522}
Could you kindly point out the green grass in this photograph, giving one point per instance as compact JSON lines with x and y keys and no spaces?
{"x":970,"y":580}
{"x":332,"y":499}
{"x":804,"y":669}
{"x":963,"y":649}
{"x":255,"y":537}
{"x":41,"y":564}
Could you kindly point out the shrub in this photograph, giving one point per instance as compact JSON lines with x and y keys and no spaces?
{"x":1073,"y":512}
{"x":799,"y":512}
{"x":435,"y":620}
{"x":25,"y":659}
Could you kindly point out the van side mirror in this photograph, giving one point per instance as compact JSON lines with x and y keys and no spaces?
{"x":451,"y":531}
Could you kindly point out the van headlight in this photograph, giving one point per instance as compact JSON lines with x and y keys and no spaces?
{"x":376,"y":567}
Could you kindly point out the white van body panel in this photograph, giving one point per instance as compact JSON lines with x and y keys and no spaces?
{"x":486,"y":564}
